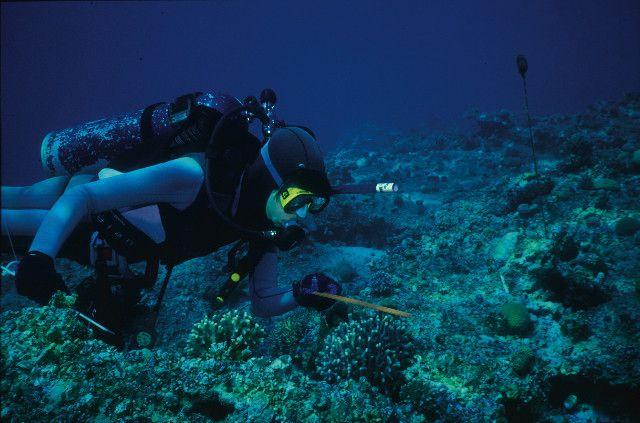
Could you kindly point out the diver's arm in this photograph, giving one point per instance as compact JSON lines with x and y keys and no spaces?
{"x":177,"y":182}
{"x":267,"y":299}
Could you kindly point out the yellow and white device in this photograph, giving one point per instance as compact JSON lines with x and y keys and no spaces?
{"x":386,"y":187}
{"x":366,"y":188}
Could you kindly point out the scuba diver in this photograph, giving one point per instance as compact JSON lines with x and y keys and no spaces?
{"x":191,"y":178}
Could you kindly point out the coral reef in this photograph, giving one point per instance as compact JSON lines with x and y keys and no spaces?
{"x":298,"y":335}
{"x":232,"y":335}
{"x":627,"y":226}
{"x":522,"y":361}
{"x":376,"y":347}
{"x":515,"y":318}
{"x":53,"y":369}
{"x":343,"y":271}
{"x":523,"y":292}
{"x":577,"y":152}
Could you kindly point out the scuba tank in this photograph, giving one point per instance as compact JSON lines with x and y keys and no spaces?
{"x":134,"y":139}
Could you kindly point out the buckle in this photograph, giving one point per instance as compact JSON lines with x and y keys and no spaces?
{"x":180,"y":109}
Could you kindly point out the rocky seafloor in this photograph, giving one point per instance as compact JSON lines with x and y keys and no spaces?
{"x":523,"y":289}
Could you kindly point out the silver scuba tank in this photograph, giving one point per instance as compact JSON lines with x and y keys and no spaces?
{"x":124,"y":141}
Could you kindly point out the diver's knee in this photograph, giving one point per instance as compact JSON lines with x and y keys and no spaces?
{"x":185,"y":170}
{"x":80,"y":196}
{"x":79,"y":179}
{"x":41,"y":195}
{"x":52,"y":187}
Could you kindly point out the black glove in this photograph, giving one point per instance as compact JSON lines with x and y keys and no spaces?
{"x":288,"y":237}
{"x":316,"y":282}
{"x":36,"y":277}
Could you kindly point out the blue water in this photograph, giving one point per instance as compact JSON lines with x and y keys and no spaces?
{"x":510,"y":296}
{"x":335,"y":67}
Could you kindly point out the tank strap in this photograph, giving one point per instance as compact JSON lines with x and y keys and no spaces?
{"x":181,"y":116}
{"x":146,"y":124}
{"x":182,"y":106}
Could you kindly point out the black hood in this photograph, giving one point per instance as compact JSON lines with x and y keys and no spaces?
{"x":292,"y":155}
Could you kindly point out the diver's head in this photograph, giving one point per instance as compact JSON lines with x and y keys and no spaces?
{"x":291,"y":203}
{"x":288,"y":178}
{"x":278,"y":216}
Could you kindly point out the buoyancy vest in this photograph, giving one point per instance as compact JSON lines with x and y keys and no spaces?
{"x":193,"y":232}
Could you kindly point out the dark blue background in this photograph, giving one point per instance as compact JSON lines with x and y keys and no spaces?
{"x":334,"y":65}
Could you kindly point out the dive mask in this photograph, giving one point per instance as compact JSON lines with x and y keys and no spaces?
{"x":293,"y":198}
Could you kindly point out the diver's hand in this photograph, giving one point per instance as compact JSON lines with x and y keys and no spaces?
{"x":36,"y":277}
{"x":317,"y":282}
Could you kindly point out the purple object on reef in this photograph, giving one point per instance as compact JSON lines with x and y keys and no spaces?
{"x":126,"y":139}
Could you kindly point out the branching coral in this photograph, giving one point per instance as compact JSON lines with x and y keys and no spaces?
{"x":232,"y":335}
{"x":377,"y":347}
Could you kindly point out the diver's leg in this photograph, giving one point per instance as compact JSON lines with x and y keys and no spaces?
{"x":21,"y":222}
{"x":40,"y":195}
{"x":75,"y":248}
{"x":24,"y":208}
{"x":176,"y":182}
